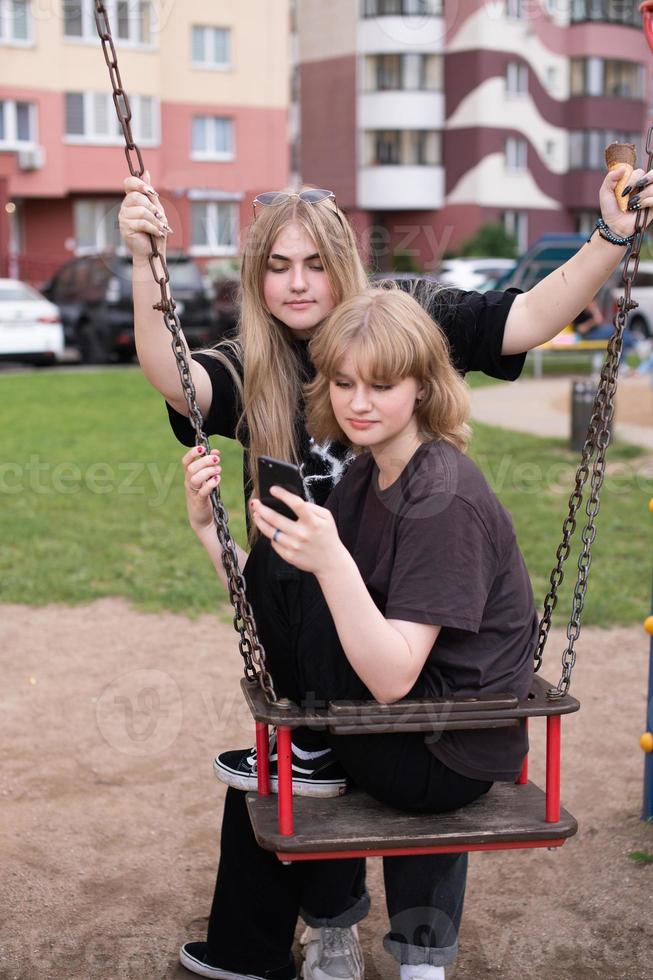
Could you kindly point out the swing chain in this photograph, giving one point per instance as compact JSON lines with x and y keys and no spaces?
{"x":594,"y":451}
{"x":251,"y":649}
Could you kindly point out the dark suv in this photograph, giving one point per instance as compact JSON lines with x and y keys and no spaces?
{"x":94,"y":296}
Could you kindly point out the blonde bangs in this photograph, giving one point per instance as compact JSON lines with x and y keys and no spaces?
{"x":390,"y":337}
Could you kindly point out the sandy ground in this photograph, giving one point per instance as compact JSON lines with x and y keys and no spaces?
{"x":634,"y":401}
{"x":110,"y":812}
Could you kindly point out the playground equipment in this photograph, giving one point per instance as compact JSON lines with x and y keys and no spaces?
{"x":646,"y":741}
{"x":519,"y":816}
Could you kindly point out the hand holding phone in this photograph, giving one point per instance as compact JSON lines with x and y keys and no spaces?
{"x":278,"y":473}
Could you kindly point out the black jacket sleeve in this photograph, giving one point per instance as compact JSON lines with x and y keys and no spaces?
{"x":474,"y":325}
{"x":224,"y":412}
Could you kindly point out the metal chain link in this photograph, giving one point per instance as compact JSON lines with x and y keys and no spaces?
{"x":250,"y":646}
{"x":595,"y":447}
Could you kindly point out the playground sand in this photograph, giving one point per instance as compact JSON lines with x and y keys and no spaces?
{"x":110,"y":813}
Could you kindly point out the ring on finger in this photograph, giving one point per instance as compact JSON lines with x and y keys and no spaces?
{"x":275,"y":536}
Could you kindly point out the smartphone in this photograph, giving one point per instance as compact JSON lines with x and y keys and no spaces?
{"x":277,"y":473}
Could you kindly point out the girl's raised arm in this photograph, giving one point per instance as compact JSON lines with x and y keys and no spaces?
{"x":141,"y":215}
{"x":539,"y":314}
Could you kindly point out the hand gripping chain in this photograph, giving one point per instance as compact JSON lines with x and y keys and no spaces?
{"x":251,"y":650}
{"x":596,"y":444}
{"x":594,"y":449}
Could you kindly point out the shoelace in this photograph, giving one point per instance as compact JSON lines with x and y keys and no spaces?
{"x":333,"y":941}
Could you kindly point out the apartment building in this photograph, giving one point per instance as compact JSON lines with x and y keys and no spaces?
{"x":429,"y":118}
{"x":208,"y":86}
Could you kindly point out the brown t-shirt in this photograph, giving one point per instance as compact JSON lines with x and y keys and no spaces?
{"x":437,"y":547}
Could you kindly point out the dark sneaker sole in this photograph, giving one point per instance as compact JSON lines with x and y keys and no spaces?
{"x":215,"y":972}
{"x":319,"y":789}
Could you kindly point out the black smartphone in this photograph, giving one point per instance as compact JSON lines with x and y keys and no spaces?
{"x":277,"y":473}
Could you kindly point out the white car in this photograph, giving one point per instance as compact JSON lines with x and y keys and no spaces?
{"x":473,"y":273}
{"x":30,"y":326}
{"x":640,"y":320}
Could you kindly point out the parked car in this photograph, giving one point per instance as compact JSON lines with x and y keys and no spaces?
{"x":473,"y":273}
{"x":550,"y":251}
{"x":226,"y":305}
{"x":640,"y":320}
{"x":544,"y":255}
{"x":94,"y":296}
{"x":30,"y":326}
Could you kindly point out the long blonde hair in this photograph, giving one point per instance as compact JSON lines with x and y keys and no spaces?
{"x":391,"y":338}
{"x":271,"y":389}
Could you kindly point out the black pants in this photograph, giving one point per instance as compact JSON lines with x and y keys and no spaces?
{"x":424,"y":894}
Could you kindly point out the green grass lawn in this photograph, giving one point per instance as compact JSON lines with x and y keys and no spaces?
{"x":93,"y":504}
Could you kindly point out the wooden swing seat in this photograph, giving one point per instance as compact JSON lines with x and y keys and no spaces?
{"x":510,"y":816}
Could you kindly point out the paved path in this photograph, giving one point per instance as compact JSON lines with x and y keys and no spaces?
{"x":535,"y":406}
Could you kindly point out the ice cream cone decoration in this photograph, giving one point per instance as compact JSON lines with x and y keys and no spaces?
{"x":616,"y":155}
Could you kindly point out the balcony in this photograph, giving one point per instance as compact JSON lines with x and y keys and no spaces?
{"x":400,"y":188}
{"x":397,"y":35}
{"x":401,"y":110}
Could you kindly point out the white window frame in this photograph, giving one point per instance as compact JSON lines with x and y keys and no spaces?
{"x":101,"y":207}
{"x":9,"y":110}
{"x":89,"y":30}
{"x":515,"y":10}
{"x":213,"y":154}
{"x":7,"y":39}
{"x":516,"y":79}
{"x":92,"y":137}
{"x":516,"y":224}
{"x":516,"y":154}
{"x":214,"y":248}
{"x":207,"y":43}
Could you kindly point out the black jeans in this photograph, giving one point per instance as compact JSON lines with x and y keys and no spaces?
{"x":424,"y":894}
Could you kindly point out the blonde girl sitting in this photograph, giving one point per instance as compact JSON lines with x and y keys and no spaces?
{"x":409,"y":582}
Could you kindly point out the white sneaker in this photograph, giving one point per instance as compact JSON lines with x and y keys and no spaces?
{"x":422,"y":972}
{"x":332,"y":954}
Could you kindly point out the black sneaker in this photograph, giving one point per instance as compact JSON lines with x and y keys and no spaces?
{"x":321,"y":776}
{"x":194,"y":957}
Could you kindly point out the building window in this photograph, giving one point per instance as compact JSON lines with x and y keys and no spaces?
{"x":91,"y":118}
{"x":586,"y":222}
{"x":212,"y":138}
{"x":515,"y":9}
{"x":132,"y":21}
{"x":516,"y":152}
{"x":515,"y":223}
{"x":214,"y":228}
{"x":587,"y":147}
{"x":96,"y":225}
{"x":403,"y":72}
{"x":607,"y":77}
{"x":608,"y":11}
{"x":15,"y":22}
{"x":17,"y":124}
{"x":401,"y":8}
{"x":516,"y":78}
{"x":211,"y":47}
{"x":403,"y":148}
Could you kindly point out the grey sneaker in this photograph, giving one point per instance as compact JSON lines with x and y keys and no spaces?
{"x":335,"y":954}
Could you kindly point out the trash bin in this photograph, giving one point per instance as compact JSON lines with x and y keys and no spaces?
{"x":583,"y":394}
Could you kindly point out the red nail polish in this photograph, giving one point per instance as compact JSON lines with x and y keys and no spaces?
{"x":200,"y":450}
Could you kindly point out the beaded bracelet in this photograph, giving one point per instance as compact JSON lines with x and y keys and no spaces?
{"x":609,"y":236}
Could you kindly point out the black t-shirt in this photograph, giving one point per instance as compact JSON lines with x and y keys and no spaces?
{"x":438,"y":548}
{"x":473,"y":324}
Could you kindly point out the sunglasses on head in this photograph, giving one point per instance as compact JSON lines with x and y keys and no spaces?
{"x":315,"y":195}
